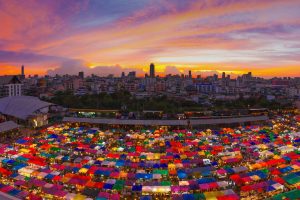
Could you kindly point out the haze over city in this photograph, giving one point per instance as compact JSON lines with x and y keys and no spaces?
{"x":108,"y":37}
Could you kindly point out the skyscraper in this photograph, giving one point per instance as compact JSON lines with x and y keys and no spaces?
{"x":81,"y":75}
{"x":223,"y":75}
{"x":190,"y":74}
{"x":23,"y":72}
{"x":152,"y":70}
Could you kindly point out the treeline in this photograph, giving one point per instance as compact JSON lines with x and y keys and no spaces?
{"x":122,"y":100}
{"x":252,"y":102}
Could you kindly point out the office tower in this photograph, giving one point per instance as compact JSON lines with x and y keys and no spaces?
{"x":123,"y":74}
{"x":190,"y":74}
{"x":215,"y":77}
{"x":81,"y":75}
{"x":152,"y":70}
{"x":223,"y":75}
{"x":22,"y":72}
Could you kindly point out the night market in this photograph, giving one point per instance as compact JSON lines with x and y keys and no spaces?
{"x":69,"y":161}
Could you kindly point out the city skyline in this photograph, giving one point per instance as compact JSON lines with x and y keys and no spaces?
{"x":103,"y":37}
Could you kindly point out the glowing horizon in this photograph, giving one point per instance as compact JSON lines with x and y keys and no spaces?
{"x":101,"y":37}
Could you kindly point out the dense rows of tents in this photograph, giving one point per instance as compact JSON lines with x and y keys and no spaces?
{"x":71,"y":162}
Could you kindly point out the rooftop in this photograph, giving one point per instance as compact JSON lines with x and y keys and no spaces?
{"x":7,"y":126}
{"x":21,"y":106}
{"x":9,"y":79}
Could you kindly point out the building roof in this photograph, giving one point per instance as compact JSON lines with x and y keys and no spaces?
{"x":9,"y":80}
{"x":21,"y":106}
{"x":7,"y":126}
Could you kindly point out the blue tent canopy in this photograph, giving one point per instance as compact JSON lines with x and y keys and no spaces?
{"x":156,"y":165}
{"x":286,"y":169}
{"x":206,"y":173}
{"x":75,"y":169}
{"x":206,"y":180}
{"x":52,"y":136}
{"x":108,"y":186}
{"x":12,"y":176}
{"x":144,"y":176}
{"x":137,"y":188}
{"x":120,"y":163}
{"x":176,"y":156}
{"x":21,"y":141}
{"x":181,"y":174}
{"x":148,"y":197}
{"x":188,"y":197}
{"x":142,"y":164}
{"x":49,"y":176}
{"x":15,"y":168}
{"x":8,"y":161}
{"x":14,"y":192}
{"x":163,"y":165}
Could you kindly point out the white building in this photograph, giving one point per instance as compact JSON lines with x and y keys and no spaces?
{"x":292,"y":92}
{"x":10,"y":86}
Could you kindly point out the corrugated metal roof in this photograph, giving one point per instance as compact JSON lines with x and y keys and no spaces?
{"x":7,"y":126}
{"x":21,"y":106}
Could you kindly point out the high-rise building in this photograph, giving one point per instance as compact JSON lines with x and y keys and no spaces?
{"x":81,"y":75}
{"x":123,"y":74}
{"x":23,"y":72}
{"x":223,"y":75}
{"x":215,"y":77}
{"x":152,"y":70}
{"x":190,"y":74}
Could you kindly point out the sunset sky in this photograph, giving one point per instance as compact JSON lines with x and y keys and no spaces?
{"x":111,"y":36}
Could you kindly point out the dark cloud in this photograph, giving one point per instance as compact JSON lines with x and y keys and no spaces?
{"x":72,"y":67}
{"x":27,"y":57}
